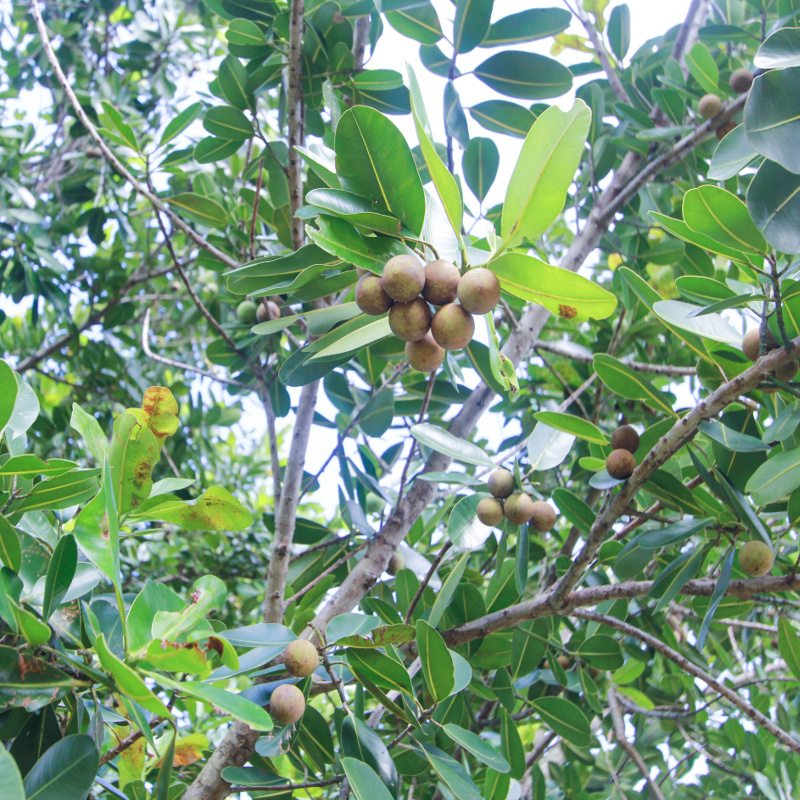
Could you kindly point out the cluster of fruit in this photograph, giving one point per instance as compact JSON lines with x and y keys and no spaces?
{"x":287,"y":703}
{"x":711,"y":104}
{"x":249,"y":312}
{"x":407,"y":290}
{"x":516,"y":506}
{"x":620,"y":463}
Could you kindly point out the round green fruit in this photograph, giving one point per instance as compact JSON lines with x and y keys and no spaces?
{"x":301,"y":658}
{"x":452,"y":327}
{"x":518,"y":508}
{"x":620,"y":464}
{"x":247,"y":312}
{"x":410,"y":321}
{"x":287,"y":704}
{"x":709,"y":106}
{"x":490,"y":511}
{"x":479,"y":291}
{"x":403,"y":278}
{"x":501,"y":483}
{"x":756,"y":558}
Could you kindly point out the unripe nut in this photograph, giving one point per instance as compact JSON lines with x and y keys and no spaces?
{"x":518,"y":508}
{"x":756,"y":558}
{"x":625,"y":438}
{"x":490,"y":511}
{"x":287,"y":704}
{"x":544,"y":517}
{"x":403,"y":278}
{"x":501,"y":483}
{"x":741,"y":80}
{"x":441,"y":282}
{"x":371,"y":297}
{"x":709,"y":106}
{"x":396,"y":563}
{"x":620,"y":464}
{"x":300,"y":658}
{"x":479,"y":291}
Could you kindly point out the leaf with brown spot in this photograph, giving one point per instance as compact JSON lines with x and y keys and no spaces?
{"x":189,"y":749}
{"x":159,"y":413}
{"x":132,"y":454}
{"x":216,"y":510}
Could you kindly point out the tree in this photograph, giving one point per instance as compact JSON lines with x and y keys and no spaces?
{"x":156,"y":567}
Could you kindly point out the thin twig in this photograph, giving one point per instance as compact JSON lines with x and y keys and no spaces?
{"x":426,"y":580}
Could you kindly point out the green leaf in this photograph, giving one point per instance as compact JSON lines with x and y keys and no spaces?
{"x":451,"y":773}
{"x":445,"y":183}
{"x":528,"y":646}
{"x":380,"y":669}
{"x":602,"y":652}
{"x":213,"y":149}
{"x":180,"y":123}
{"x":565,"y":719}
{"x":364,"y":781}
{"x":479,"y":748}
{"x":789,"y":645}
{"x":259,"y":635}
{"x":10,"y":548}
{"x":370,"y":331}
{"x":527,"y":26}
{"x":559,"y":290}
{"x":732,"y":155}
{"x":245,"y":32}
{"x":65,"y":491}
{"x":619,"y":30}
{"x":455,"y":120}
{"x":360,"y":742}
{"x":780,"y":50}
{"x":628,"y":383}
{"x":10,"y":779}
{"x":436,"y":662}
{"x":772,"y":117}
{"x":502,"y":116}
{"x":678,"y":228}
{"x":703,"y":68}
{"x":685,"y":316}
{"x":672,"y":534}
{"x":128,"y":681}
{"x":776,"y":478}
{"x":569,"y":423}
{"x":480,"y":162}
{"x":378,"y":79}
{"x":202,"y":209}
{"x":719,"y":592}
{"x":529,"y":76}
{"x":452,"y":446}
{"x":9,"y":395}
{"x":374,"y":160}
{"x":228,"y":122}
{"x":721,"y":215}
{"x":734,"y":440}
{"x":464,"y":529}
{"x":28,"y":466}
{"x":785,"y":424}
{"x":112,"y":121}
{"x":419,"y":22}
{"x":234,"y":704}
{"x":208,"y":593}
{"x":773,"y":200}
{"x":377,"y":415}
{"x":548,"y":447}
{"x":672,"y":579}
{"x":445,"y":594}
{"x":471,"y":23}
{"x":65,"y":772}
{"x":60,"y":572}
{"x":233,"y":82}
{"x":544,"y":171}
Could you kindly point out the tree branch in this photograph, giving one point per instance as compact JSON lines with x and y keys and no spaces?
{"x":294,"y":106}
{"x":107,"y":152}
{"x":688,"y":666}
